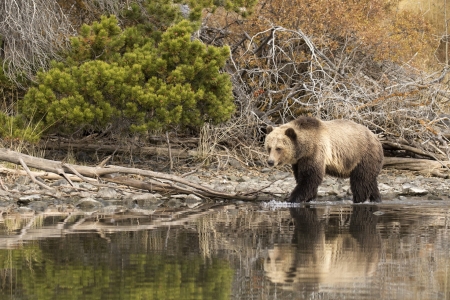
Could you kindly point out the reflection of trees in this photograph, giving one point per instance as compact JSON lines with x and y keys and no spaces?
{"x":326,"y":253}
{"x":82,"y":266}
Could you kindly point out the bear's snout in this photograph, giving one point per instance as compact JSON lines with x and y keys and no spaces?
{"x":271,"y":163}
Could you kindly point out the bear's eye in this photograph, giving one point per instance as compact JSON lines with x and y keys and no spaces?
{"x":278,"y":149}
{"x":268,"y":150}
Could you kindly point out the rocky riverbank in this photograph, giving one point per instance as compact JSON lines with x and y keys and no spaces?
{"x":21,"y":195}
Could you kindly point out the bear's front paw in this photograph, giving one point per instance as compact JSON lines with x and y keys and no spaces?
{"x":297,"y":199}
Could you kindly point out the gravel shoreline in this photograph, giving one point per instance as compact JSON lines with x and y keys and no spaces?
{"x":24,"y":197}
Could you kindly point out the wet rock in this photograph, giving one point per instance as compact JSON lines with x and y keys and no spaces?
{"x":27,"y":188}
{"x":384,"y":187}
{"x":418,"y":191}
{"x":322,"y":192}
{"x":22,"y":180}
{"x":280,"y":176}
{"x":408,"y":189}
{"x":233,"y":178}
{"x":193,"y":178}
{"x":54,"y":193}
{"x":389,"y":196}
{"x":4,"y":193}
{"x":144,"y":201}
{"x":84,"y":194}
{"x":400,"y":179}
{"x":252,"y":186}
{"x":69,"y":189}
{"x":346,"y":189}
{"x":88,"y":204}
{"x":38,"y":206}
{"x":241,"y":187}
{"x":60,"y":182}
{"x":30,"y":197}
{"x":107,"y":193}
{"x":335,"y":190}
{"x":87,"y":186}
{"x":224,"y":188}
{"x":244,"y":179}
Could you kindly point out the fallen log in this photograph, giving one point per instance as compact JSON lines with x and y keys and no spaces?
{"x":424,"y":166}
{"x":161,"y":181}
{"x":180,"y":153}
{"x":397,"y":146}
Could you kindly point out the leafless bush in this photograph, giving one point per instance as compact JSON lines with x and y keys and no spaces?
{"x":281,"y":74}
{"x":32,"y":32}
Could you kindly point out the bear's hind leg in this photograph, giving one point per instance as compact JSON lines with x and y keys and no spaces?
{"x":364,"y":186}
{"x":360,"y":185}
{"x":375,"y":195}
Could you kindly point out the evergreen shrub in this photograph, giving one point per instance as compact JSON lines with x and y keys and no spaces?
{"x":132,"y":82}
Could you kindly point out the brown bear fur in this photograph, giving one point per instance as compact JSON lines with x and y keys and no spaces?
{"x":340,"y":148}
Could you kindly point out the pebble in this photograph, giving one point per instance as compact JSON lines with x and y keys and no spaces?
{"x":107,"y":193}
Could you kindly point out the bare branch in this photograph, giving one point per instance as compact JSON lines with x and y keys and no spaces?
{"x":32,"y":33}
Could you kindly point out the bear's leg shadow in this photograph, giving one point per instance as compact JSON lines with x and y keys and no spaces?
{"x":308,"y":180}
{"x":364,"y":184}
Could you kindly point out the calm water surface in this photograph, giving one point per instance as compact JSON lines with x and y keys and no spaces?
{"x":326,"y":250}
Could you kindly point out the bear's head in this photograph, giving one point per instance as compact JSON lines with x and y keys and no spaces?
{"x":281,"y":144}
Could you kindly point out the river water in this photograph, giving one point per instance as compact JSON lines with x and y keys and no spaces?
{"x":323,"y":250}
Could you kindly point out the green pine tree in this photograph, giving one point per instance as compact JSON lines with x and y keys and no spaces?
{"x":125,"y":77}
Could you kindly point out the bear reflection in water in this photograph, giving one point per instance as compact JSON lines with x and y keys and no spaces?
{"x":323,"y":252}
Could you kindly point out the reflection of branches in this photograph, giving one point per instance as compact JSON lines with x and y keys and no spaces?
{"x":290,"y":75}
{"x":32,"y":32}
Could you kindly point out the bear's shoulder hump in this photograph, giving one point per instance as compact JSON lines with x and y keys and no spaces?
{"x":306,"y":123}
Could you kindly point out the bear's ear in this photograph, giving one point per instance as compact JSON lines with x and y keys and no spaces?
{"x":269,"y":129}
{"x":290,"y":132}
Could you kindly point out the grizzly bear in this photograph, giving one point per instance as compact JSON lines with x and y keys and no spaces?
{"x":340,"y":148}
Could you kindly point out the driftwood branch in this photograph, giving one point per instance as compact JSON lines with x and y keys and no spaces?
{"x":171,"y":182}
{"x":397,"y":146}
{"x":40,"y":174}
{"x":424,"y":166}
{"x":25,"y":167}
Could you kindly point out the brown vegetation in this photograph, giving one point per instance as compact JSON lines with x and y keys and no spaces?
{"x":363,"y":61}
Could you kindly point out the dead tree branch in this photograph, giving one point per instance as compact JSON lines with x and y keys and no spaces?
{"x":32,"y":32}
{"x":171,"y":182}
